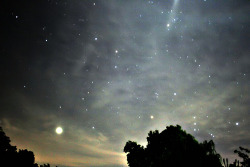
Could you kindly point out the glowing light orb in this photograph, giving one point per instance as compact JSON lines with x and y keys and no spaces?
{"x":152,"y":117}
{"x":59,"y":130}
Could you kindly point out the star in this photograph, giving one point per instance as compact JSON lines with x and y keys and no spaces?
{"x":59,"y":130}
{"x":102,"y":69}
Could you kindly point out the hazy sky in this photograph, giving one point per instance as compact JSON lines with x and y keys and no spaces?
{"x":110,"y":71}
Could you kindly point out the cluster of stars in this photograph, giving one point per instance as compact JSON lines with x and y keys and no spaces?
{"x":117,"y":67}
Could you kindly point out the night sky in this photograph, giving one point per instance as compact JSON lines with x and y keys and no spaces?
{"x":110,"y":71}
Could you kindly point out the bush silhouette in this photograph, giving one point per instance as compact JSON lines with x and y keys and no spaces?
{"x":173,"y":147}
{"x":9,"y":156}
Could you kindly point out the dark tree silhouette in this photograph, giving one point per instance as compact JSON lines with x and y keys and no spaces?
{"x":11,"y":158}
{"x":26,"y":157}
{"x":236,"y":163}
{"x":225,"y":162}
{"x":5,"y":143}
{"x":173,"y":147}
{"x":242,"y":153}
{"x":45,"y":165}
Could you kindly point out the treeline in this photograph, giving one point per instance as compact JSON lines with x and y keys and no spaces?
{"x":173,"y":147}
{"x":9,"y":156}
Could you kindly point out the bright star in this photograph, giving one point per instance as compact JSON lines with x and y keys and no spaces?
{"x":59,"y":130}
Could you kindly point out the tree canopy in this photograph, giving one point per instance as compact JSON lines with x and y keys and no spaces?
{"x":172,"y":147}
{"x":9,"y":156}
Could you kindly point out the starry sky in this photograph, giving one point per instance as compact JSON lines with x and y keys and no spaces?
{"x":110,"y":71}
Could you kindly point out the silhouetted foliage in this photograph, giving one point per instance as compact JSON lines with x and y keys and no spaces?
{"x":173,"y":147}
{"x":45,"y":165}
{"x":225,"y":162}
{"x":242,"y":153}
{"x":11,"y":158}
{"x":5,"y":143}
{"x":236,"y":163}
